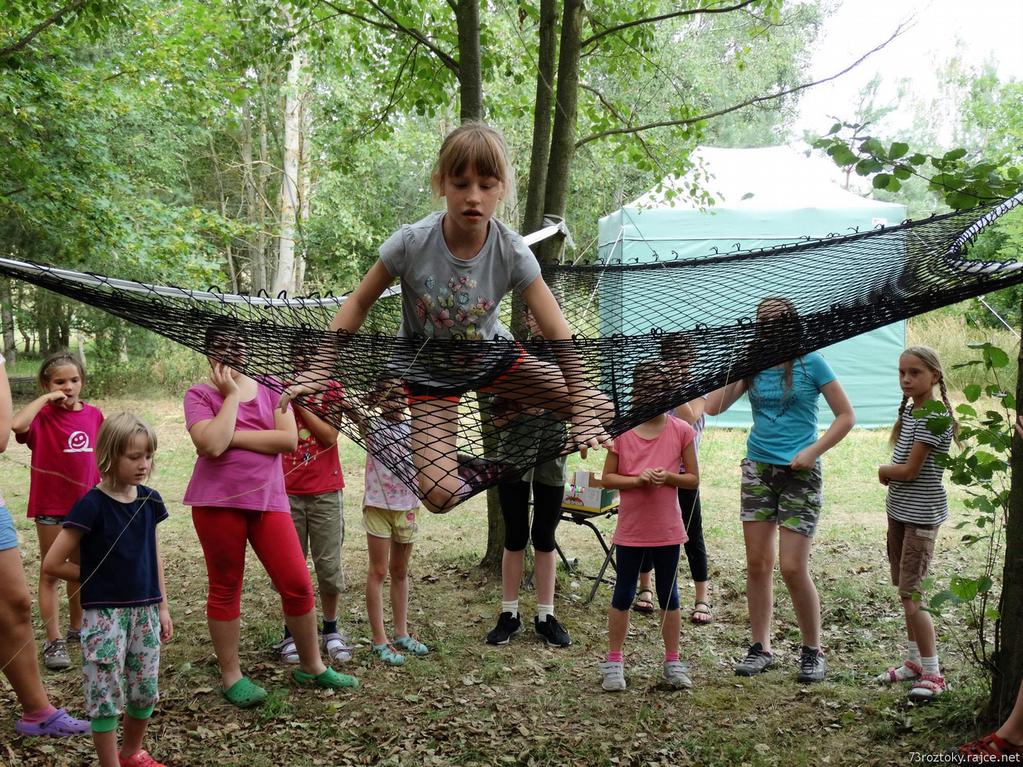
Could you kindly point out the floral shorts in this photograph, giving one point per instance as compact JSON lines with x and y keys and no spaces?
{"x":398,"y":525}
{"x":120,"y":659}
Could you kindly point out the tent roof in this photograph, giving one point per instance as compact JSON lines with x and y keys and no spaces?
{"x":777,"y":177}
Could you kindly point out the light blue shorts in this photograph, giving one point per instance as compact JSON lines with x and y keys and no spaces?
{"x":8,"y":538}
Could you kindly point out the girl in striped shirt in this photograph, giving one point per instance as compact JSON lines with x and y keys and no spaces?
{"x":917,"y":505}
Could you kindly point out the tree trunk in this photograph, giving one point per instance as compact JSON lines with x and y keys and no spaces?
{"x":540,"y":152}
{"x":470,"y":75}
{"x":284,"y":275}
{"x":252,"y":203}
{"x":1008,"y":654}
{"x":262,"y":184}
{"x":7,"y":318}
{"x":531,"y":221}
{"x":563,"y":136}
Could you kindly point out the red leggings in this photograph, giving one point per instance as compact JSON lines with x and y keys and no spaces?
{"x":223,"y":533}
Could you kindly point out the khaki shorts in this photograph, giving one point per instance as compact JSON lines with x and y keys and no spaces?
{"x":320,"y":524}
{"x":910,"y":549}
{"x":791,"y":498}
{"x":399,"y":525}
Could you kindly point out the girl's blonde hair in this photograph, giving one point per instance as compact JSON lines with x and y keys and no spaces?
{"x":56,"y":360}
{"x":473,"y":145}
{"x":115,"y":435}
{"x":929,"y":357}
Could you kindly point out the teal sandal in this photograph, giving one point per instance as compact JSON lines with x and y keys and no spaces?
{"x":388,"y":654}
{"x":245,"y":693}
{"x":329,"y":679}
{"x":410,"y":644}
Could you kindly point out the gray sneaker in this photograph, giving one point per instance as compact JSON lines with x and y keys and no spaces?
{"x":612,"y":673}
{"x":812,"y":665}
{"x":756,"y":661}
{"x":676,"y":675}
{"x":55,"y":656}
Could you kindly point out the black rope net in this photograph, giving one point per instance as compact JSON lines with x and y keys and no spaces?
{"x":451,"y":417}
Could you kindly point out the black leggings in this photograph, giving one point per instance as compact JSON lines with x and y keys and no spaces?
{"x":696,"y":550}
{"x":515,"y":509}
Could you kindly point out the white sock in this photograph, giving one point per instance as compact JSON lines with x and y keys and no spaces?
{"x":930,"y":665}
{"x":542,"y":611}
{"x":913,"y":652}
{"x":511,"y":607}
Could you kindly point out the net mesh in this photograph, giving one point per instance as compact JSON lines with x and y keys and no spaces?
{"x":647,"y":337}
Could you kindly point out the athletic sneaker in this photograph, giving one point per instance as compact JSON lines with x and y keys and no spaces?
{"x":676,"y":674}
{"x":55,"y":655}
{"x":612,"y":675}
{"x":74,"y":636}
{"x":552,"y":632}
{"x":756,"y":661}
{"x":508,"y":625}
{"x":812,"y":665}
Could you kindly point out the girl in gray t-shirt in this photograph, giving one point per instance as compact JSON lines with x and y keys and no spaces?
{"x":455,"y":266}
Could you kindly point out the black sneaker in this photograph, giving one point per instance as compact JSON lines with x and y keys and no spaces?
{"x":812,"y":665}
{"x":552,"y":632}
{"x":756,"y":660}
{"x":508,"y":625}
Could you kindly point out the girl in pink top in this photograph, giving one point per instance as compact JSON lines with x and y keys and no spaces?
{"x":237,"y":496}
{"x":644,"y":465}
{"x":60,"y":430}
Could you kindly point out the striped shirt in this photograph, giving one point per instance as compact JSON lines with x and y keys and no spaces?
{"x":921,"y":501}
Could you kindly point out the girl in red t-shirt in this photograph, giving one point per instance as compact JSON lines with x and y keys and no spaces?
{"x":644,"y":466}
{"x":60,"y":430}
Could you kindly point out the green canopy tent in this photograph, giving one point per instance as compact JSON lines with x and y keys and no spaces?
{"x":764,"y":198}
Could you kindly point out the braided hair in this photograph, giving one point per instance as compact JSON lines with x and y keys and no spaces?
{"x":929,"y":357}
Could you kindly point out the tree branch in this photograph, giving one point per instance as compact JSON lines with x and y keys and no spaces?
{"x":445,"y":58}
{"x":653,"y":19}
{"x":55,"y":18}
{"x":741,"y":105}
{"x":359,"y":17}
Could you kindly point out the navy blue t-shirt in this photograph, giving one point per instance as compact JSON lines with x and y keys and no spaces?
{"x":118,"y":549}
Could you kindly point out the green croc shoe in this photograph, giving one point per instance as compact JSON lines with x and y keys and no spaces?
{"x":245,"y":693}
{"x":330,"y":679}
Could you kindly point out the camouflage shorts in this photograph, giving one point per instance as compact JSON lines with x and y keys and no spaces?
{"x":788,"y":497}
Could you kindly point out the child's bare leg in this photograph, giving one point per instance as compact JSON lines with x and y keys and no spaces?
{"x":225,"y":636}
{"x":134,"y":732}
{"x":17,"y":644}
{"x":49,"y":605}
{"x":106,"y":748}
{"x":617,"y":628}
{"x":512,"y":567}
{"x":671,"y":625}
{"x":400,"y":555}
{"x":379,"y":553}
{"x":434,"y":452}
{"x":307,"y":641}
{"x":922,"y":627}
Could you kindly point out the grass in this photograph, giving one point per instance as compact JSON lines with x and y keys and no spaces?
{"x":468,"y":703}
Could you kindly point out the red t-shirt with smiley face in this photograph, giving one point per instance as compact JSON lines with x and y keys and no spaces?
{"x":63,"y":445}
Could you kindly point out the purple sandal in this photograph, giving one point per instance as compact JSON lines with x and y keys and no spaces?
{"x":60,"y":724}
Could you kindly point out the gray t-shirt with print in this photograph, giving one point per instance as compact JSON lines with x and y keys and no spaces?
{"x":447,"y":297}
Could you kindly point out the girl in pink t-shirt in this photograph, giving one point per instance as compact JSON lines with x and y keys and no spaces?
{"x":60,"y":430}
{"x":644,"y":466}
{"x":237,"y":496}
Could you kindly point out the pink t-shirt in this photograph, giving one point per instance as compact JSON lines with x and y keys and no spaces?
{"x":63,"y":458}
{"x":650,"y":515}
{"x":313,"y":469}
{"x":391,"y":440}
{"x":237,"y":478}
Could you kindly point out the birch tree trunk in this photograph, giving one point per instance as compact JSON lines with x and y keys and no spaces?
{"x":288,"y":208}
{"x":7,"y":318}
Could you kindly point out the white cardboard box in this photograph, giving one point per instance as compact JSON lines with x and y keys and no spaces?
{"x":586,"y":494}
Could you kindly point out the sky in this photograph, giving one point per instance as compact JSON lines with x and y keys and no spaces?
{"x":986,"y":30}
